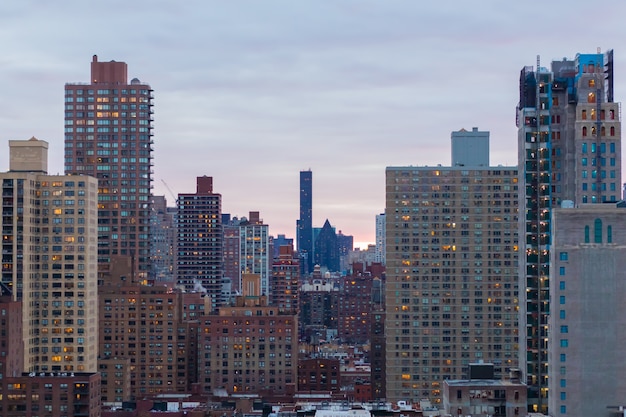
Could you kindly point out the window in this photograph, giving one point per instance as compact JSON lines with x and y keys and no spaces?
{"x":561,"y":285}
{"x":563,"y":256}
{"x":563,"y":357}
{"x":563,"y":409}
{"x":584,"y":161}
{"x":562,"y":270}
{"x":563,"y":396}
{"x":564,"y":343}
{"x":564,"y":329}
{"x":563,"y":383}
{"x":562,"y":314}
{"x":586,"y":227}
{"x":562,"y":299}
{"x":597,"y":231}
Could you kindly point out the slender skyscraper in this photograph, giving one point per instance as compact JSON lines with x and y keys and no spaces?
{"x":569,"y":148}
{"x":254,"y":252}
{"x":305,"y":224}
{"x":108,"y":135}
{"x":380,"y":239}
{"x":200,"y":261}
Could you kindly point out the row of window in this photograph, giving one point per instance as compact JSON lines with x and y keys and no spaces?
{"x":90,"y":92}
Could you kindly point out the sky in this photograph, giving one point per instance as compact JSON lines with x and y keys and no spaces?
{"x":251,"y":92}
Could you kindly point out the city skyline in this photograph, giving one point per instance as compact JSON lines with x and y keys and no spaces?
{"x":347,"y":88}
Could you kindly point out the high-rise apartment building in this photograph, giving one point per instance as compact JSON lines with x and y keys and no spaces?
{"x":587,"y":320}
{"x":143,"y":341}
{"x":199,"y":264}
{"x":319,"y":307}
{"x":377,"y":342}
{"x":356,"y":302}
{"x":451,"y":289}
{"x":569,"y":148}
{"x":163,"y":247}
{"x":49,"y":230}
{"x":285,"y":281}
{"x":255,"y":256}
{"x":305,"y":223}
{"x":108,"y":135}
{"x":380,"y":239}
{"x":232,"y":247}
{"x":345,"y":246}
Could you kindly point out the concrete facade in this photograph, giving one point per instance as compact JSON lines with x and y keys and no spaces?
{"x":587,"y":322}
{"x":470,"y":148}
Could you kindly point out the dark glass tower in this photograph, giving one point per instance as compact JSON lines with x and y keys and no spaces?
{"x":305,"y":223}
{"x":326,"y":248}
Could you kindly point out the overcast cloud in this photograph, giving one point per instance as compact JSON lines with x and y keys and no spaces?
{"x":252,"y":92}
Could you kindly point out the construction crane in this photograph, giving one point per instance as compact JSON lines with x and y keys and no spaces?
{"x":171,"y":192}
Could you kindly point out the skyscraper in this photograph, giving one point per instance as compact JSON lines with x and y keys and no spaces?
{"x":48,"y":259}
{"x":380,"y":239}
{"x":108,"y":135}
{"x":200,"y":262}
{"x":327,"y":249}
{"x":254,"y":253}
{"x":451,"y":290}
{"x":232,"y":247}
{"x":163,"y":247}
{"x":285,"y":281}
{"x":305,"y":223}
{"x":569,"y":149}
